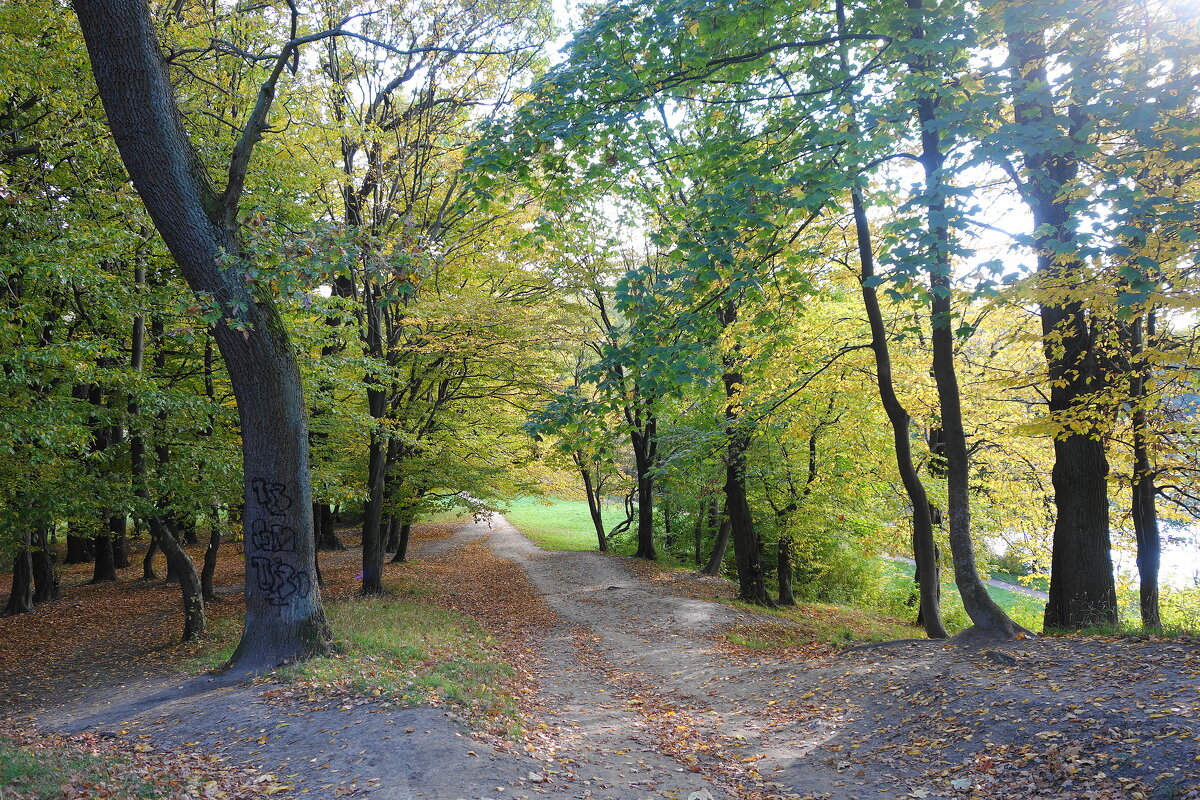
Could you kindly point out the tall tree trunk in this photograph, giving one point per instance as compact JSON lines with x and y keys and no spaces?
{"x":372,"y":526}
{"x":783,"y":572}
{"x":988,"y":618}
{"x":402,"y":543}
{"x":924,"y":547}
{"x":194,"y":623}
{"x":79,"y":549}
{"x":594,"y":508}
{"x":20,"y":597}
{"x":45,"y":576}
{"x":747,"y":549}
{"x":644,"y":449}
{"x":327,"y":538}
{"x":717,"y":557}
{"x":1082,"y":587}
{"x":1145,"y":515}
{"x":199,"y":226}
{"x":210,"y":564}
{"x":105,"y":566}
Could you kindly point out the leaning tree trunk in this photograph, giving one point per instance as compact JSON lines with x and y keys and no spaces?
{"x":717,"y":557}
{"x":1082,"y":587}
{"x":194,"y":623}
{"x":988,"y":618}
{"x":594,"y":508}
{"x":283,"y":619}
{"x":924,"y":545}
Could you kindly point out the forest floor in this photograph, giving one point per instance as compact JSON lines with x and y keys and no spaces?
{"x":630,"y":687}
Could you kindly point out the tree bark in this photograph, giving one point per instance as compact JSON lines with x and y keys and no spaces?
{"x":45,"y":576}
{"x":747,"y":549}
{"x":79,"y":550}
{"x":594,"y":507}
{"x":645,"y":448}
{"x":194,"y":623}
{"x":783,"y":572}
{"x":402,"y":543}
{"x":327,"y":538}
{"x":1082,"y":587}
{"x":924,"y":547}
{"x":20,"y":596}
{"x":988,"y":618}
{"x":284,"y":619}
{"x":210,"y":564}
{"x":1145,"y":515}
{"x":717,"y":557}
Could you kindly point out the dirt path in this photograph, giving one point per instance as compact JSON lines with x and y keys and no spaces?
{"x":640,"y":696}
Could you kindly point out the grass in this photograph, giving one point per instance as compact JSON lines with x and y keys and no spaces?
{"x":559,"y":524}
{"x":44,"y":772}
{"x":1023,"y":609}
{"x":398,"y":648}
{"x":833,"y":625}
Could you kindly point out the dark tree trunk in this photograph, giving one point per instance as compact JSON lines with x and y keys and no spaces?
{"x":79,"y":550}
{"x":747,"y":549}
{"x":783,"y":571}
{"x":194,"y":623}
{"x":402,"y":543}
{"x":20,"y":597}
{"x":645,"y":447}
{"x":169,"y":530}
{"x":1145,"y":515}
{"x":118,"y":528}
{"x":187,"y":531}
{"x":210,"y":564}
{"x":988,"y":618}
{"x":327,"y":538}
{"x":148,"y":573}
{"x":594,"y":508}
{"x":373,"y":543}
{"x":1082,"y":587}
{"x":393,"y":534}
{"x":45,"y":576}
{"x":283,"y":610}
{"x":105,"y":566}
{"x":717,"y":557}
{"x":927,"y":573}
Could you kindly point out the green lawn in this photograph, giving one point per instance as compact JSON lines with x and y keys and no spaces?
{"x":1023,"y":609}
{"x":560,"y":524}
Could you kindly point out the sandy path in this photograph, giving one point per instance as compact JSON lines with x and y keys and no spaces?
{"x":640,"y":698}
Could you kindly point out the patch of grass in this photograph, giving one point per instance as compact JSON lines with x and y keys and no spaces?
{"x":410,"y":653}
{"x":43,"y":771}
{"x":398,"y":648}
{"x":559,"y":524}
{"x":217,"y":646}
{"x":820,"y":623}
{"x":898,"y":587}
{"x":1040,"y":582}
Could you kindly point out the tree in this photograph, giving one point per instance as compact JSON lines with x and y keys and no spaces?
{"x":199,"y":225}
